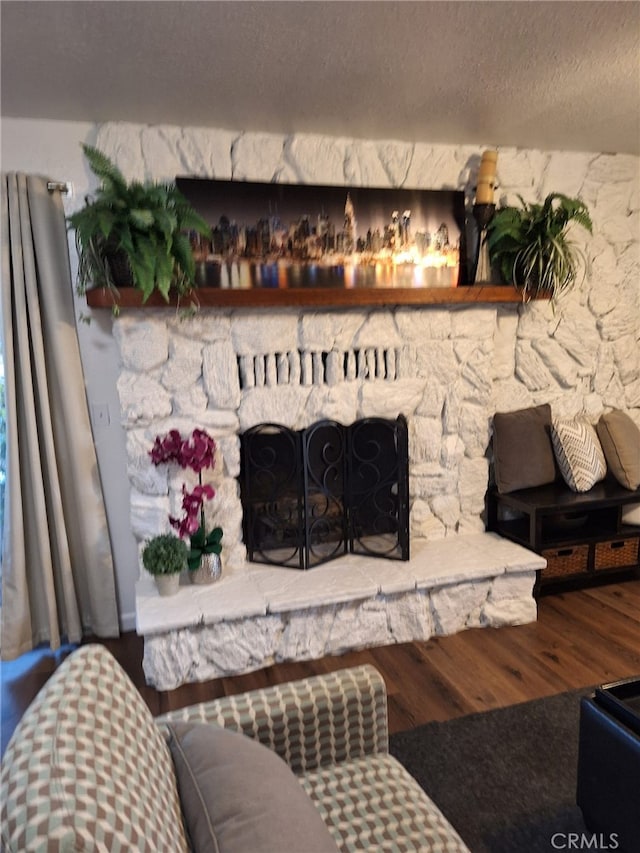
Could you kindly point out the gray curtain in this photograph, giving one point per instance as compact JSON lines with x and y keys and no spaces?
{"x":57,"y":570}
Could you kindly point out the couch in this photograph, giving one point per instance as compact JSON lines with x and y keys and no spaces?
{"x":89,"y":768}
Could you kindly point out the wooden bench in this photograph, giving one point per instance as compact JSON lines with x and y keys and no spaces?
{"x":580,"y":534}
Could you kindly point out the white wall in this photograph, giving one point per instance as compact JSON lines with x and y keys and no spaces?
{"x":581,"y":360}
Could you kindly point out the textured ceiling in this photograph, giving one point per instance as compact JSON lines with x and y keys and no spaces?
{"x":550,"y":75}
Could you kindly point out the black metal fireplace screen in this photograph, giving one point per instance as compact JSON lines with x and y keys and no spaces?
{"x":312,"y":495}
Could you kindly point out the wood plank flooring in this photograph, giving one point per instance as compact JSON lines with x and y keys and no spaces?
{"x":582,"y":638}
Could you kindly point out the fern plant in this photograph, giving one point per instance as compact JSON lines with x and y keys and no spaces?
{"x":531,"y":248}
{"x":147,"y":222}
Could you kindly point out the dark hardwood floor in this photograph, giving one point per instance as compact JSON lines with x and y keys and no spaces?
{"x":582,"y":638}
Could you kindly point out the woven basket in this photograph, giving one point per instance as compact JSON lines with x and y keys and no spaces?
{"x":572,"y":560}
{"x":618,"y":552}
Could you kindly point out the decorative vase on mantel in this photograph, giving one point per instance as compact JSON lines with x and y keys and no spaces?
{"x":209,"y":570}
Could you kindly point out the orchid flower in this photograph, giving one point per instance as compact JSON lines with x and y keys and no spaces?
{"x":196,"y":452}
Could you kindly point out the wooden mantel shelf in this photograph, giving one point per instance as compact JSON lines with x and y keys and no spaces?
{"x":213,"y":297}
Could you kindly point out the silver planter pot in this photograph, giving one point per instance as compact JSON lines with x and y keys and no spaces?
{"x":208,"y":571}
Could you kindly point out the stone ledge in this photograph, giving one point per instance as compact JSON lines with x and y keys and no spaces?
{"x":235,"y":626}
{"x":257,"y":590}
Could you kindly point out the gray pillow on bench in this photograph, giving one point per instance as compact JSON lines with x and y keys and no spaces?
{"x":522,"y":451}
{"x":620,"y":439}
{"x":238,"y":796}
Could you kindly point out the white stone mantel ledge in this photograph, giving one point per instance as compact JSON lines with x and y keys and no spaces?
{"x":261,"y":615}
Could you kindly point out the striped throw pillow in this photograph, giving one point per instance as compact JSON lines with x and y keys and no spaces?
{"x":578,"y":453}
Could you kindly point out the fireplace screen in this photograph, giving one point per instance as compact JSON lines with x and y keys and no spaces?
{"x":312,"y":495}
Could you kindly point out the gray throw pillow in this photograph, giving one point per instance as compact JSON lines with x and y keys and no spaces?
{"x":239,"y":796}
{"x":522,"y":451}
{"x":620,"y":439}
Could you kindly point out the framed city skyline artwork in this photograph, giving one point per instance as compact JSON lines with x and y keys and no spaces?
{"x":301,"y":236}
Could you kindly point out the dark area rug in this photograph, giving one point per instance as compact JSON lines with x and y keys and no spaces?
{"x":505,"y":779}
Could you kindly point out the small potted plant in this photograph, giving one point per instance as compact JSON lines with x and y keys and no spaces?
{"x":165,"y":556}
{"x":134,"y":234}
{"x":530,"y":246}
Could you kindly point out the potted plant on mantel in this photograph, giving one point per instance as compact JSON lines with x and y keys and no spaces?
{"x":134,"y":234}
{"x":165,"y":556}
{"x":530,"y":246}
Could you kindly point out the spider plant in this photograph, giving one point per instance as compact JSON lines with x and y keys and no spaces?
{"x":530,"y":246}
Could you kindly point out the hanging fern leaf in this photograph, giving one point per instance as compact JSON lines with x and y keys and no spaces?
{"x":149,"y":222}
{"x":104,"y":169}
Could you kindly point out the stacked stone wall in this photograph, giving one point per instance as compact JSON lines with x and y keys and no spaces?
{"x":447,"y":369}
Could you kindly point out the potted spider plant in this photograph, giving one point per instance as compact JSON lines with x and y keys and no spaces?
{"x":531,"y":248}
{"x":133,"y":233}
{"x":165,"y":556}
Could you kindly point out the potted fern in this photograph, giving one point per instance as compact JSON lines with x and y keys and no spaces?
{"x":165,"y":556}
{"x":134,"y":233}
{"x":530,"y":246}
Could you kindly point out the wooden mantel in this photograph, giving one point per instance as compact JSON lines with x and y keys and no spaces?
{"x":213,"y":297}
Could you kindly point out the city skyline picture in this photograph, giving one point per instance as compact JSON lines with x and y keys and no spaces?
{"x":299,"y":235}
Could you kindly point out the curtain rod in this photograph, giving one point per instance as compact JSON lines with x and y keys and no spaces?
{"x":65,"y":187}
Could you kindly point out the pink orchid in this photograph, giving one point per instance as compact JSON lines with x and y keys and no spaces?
{"x":193,"y":505}
{"x":196,"y":452}
{"x":185,"y":525}
{"x":192,"y":501}
{"x":167,"y":449}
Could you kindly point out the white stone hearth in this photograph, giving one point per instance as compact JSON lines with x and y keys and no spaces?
{"x":263,"y":615}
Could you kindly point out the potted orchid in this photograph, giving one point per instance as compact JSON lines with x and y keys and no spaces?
{"x":196,"y":452}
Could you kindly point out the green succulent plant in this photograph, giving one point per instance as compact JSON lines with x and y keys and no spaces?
{"x":165,"y":555}
{"x":530,"y":246}
{"x":147,"y":222}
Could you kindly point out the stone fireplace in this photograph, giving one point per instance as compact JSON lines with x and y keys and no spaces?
{"x":221,"y":371}
{"x":227,"y":372}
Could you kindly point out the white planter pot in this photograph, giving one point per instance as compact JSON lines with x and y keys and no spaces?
{"x":167,"y":584}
